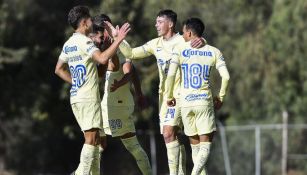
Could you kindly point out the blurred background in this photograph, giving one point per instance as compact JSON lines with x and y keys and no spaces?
{"x":262,"y":125}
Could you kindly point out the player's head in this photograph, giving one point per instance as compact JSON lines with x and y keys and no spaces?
{"x":192,"y":27}
{"x":166,"y":22}
{"x":98,"y":22}
{"x":100,"y":34}
{"x":79,"y":18}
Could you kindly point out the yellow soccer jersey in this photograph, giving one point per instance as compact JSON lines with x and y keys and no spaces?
{"x":122,"y":96}
{"x":77,"y":52}
{"x":195,"y":66}
{"x":162,"y":49}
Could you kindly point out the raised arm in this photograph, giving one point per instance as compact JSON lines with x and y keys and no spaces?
{"x":135,"y":53}
{"x":103,"y":57}
{"x":61,"y":70}
{"x":131,"y":53}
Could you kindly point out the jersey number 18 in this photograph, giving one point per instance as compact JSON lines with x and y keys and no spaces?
{"x":194,"y":75}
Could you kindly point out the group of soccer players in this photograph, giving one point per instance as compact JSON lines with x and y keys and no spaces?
{"x":97,"y":48}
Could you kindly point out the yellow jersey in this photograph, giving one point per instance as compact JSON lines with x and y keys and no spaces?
{"x":195,"y":66}
{"x":162,"y":49}
{"x":77,"y":53}
{"x":121,"y":96}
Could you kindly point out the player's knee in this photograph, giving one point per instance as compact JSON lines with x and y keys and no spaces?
{"x":91,"y":137}
{"x":169,"y":135}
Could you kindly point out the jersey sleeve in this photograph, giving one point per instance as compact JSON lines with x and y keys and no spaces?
{"x":63,"y":56}
{"x":225,"y":79}
{"x":220,"y":61}
{"x":125,"y":49}
{"x":170,"y":80}
{"x":223,"y":71}
{"x":88,"y":46}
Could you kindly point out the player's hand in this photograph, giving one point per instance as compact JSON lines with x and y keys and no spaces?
{"x":217,"y":103}
{"x":123,"y":31}
{"x":114,"y":86}
{"x":198,"y":42}
{"x":171,"y":102}
{"x":112,"y":31}
{"x":142,"y":102}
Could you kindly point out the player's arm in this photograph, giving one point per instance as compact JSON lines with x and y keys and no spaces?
{"x":223,"y":71}
{"x":135,"y":79}
{"x":127,"y":69}
{"x":61,"y":70}
{"x":170,"y":81}
{"x":131,"y":53}
{"x":103,"y":57}
{"x":136,"y":53}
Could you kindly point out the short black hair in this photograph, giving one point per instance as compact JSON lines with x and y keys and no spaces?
{"x":98,"y":24}
{"x":76,"y":14}
{"x":170,"y":14}
{"x":195,"y":25}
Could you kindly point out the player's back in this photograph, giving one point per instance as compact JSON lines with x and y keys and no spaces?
{"x":77,"y":52}
{"x":196,"y":65}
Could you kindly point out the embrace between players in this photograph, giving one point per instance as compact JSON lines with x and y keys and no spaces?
{"x":185,"y":99}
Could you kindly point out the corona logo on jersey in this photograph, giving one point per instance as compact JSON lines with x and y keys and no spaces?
{"x":70,"y":49}
{"x":193,"y":97}
{"x":189,"y":52}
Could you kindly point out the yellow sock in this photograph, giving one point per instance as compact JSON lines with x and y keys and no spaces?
{"x":173,"y":153}
{"x":86,"y":159}
{"x":195,"y":149}
{"x":201,"y":159}
{"x":133,"y":146}
{"x":182,"y":160}
{"x":95,"y":170}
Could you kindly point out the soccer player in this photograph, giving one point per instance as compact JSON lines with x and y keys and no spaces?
{"x":118,"y":103}
{"x":161,"y":48}
{"x":80,"y":55}
{"x":197,"y":104}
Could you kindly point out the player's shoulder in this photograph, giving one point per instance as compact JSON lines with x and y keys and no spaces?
{"x":80,"y":38}
{"x":183,"y":45}
{"x":179,"y":38}
{"x":212,"y":48}
{"x":155,"y":41}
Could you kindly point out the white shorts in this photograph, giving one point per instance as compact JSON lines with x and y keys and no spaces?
{"x":87,"y":114}
{"x":117,"y":120}
{"x":198,"y":120}
{"x":169,"y":116}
